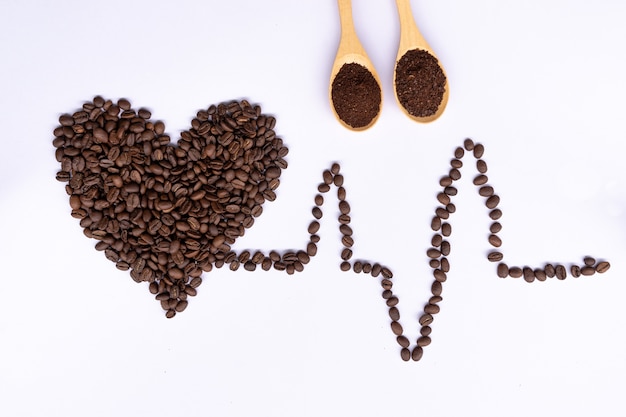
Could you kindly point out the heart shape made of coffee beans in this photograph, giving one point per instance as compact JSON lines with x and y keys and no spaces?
{"x":167,"y":213}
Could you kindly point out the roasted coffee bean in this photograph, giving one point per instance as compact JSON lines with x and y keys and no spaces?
{"x":345,"y":266}
{"x":446,"y":229}
{"x":431,"y":309}
{"x":386,"y":284}
{"x":394,"y":313}
{"x":529,"y":274}
{"x":357,"y":267}
{"x":495,"y":214}
{"x":540,"y":274}
{"x":495,"y":227}
{"x":317,"y":213}
{"x":396,"y":328}
{"x":386,"y":273}
{"x":459,"y":152}
{"x":445,"y":248}
{"x":587,"y":270}
{"x":479,"y":149}
{"x":495,"y":241}
{"x":445,"y":265}
{"x":426,"y":319}
{"x":440,"y":275}
{"x":495,"y":256}
{"x":347,"y":241}
{"x":575,"y":270}
{"x":403,"y":341}
{"x":550,"y":271}
{"x":435,"y":224}
{"x":589,"y":261}
{"x":314,"y":226}
{"x":492,"y":202}
{"x":417,"y":353}
{"x":392,"y":301}
{"x":468,"y":144}
{"x":344,"y":207}
{"x":480,"y":179}
{"x":561,"y":272}
{"x":346,"y":254}
{"x":436,"y":240}
{"x":426,"y":330}
{"x":423,"y":341}
{"x":436,"y":288}
{"x":602,"y":267}
{"x":486,"y":191}
{"x":515,"y":272}
{"x":481,"y":166}
{"x":405,"y":354}
{"x":443,"y":198}
{"x":433,"y":253}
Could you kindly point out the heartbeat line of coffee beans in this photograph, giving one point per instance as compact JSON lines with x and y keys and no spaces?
{"x":440,"y":248}
{"x":168,"y":213}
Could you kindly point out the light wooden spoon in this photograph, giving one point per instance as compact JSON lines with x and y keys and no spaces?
{"x":351,"y":51}
{"x":412,"y":39}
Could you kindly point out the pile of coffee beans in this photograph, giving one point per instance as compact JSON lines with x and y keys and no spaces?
{"x":356,"y":95}
{"x":420,"y":83}
{"x":167,"y":213}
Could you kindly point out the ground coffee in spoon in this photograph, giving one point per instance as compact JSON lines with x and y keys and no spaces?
{"x":356,"y":95}
{"x":420,"y":83}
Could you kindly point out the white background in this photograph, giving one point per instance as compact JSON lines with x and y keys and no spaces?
{"x":539,"y":83}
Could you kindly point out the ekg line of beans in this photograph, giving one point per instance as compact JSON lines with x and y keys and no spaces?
{"x":437,"y":253}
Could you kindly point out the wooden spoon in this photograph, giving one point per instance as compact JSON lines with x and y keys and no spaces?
{"x":411,"y":39}
{"x":350,"y":51}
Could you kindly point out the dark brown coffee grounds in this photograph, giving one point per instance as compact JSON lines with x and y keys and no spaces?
{"x":356,"y":95}
{"x":420,"y":83}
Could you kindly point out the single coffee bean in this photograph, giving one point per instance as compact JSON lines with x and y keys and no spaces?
{"x":403,"y":341}
{"x":495,"y":241}
{"x":405,"y":354}
{"x":436,"y":240}
{"x":602,"y":267}
{"x":456,"y":163}
{"x":335,"y":168}
{"x":480,"y":179}
{"x":515,"y":272}
{"x":479,"y":149}
{"x":345,"y":266}
{"x":435,"y":224}
{"x":346,"y":254}
{"x":445,"y":265}
{"x":328,"y":177}
{"x":492,"y":202}
{"x":445,"y":181}
{"x":425,"y":330}
{"x":589,"y":261}
{"x":452,"y":191}
{"x":357,"y":267}
{"x":417,"y":353}
{"x":317,"y":212}
{"x":455,"y":174}
{"x":529,"y":274}
{"x":392,"y":301}
{"x":443,"y":198}
{"x":440,"y":275}
{"x":426,"y":319}
{"x":503,"y":270}
{"x":495,"y":227}
{"x":396,"y":328}
{"x":561,"y":272}
{"x":446,"y":229}
{"x":442,"y":213}
{"x":481,"y":166}
{"x":550,"y":271}
{"x":431,"y":309}
{"x":575,"y":270}
{"x":423,"y":341}
{"x":338,"y":180}
{"x":459,"y":152}
{"x":386,"y":284}
{"x":394,"y":313}
{"x":376,"y":269}
{"x":319,"y":200}
{"x":486,"y":191}
{"x":495,"y":214}
{"x":314,"y":226}
{"x":587,"y":270}
{"x":445,"y":248}
{"x":468,"y":144}
{"x":386,"y":273}
{"x":347,"y":241}
{"x":495,"y":256}
{"x":433,"y":253}
{"x":540,"y":274}
{"x":344,"y":207}
{"x":436,"y":288}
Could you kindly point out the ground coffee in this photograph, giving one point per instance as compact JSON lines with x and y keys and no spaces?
{"x":420,"y":83}
{"x":356,"y":95}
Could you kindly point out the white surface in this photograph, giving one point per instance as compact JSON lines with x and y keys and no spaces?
{"x":540,"y":84}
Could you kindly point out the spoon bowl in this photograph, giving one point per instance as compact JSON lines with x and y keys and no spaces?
{"x":354,"y":90}
{"x":420,"y":83}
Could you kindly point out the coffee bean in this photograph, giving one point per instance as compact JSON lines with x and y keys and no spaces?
{"x":317,"y":213}
{"x":550,"y":271}
{"x":436,"y":240}
{"x":495,"y":241}
{"x":319,"y":200}
{"x":495,"y":214}
{"x":396,"y":328}
{"x":436,"y":288}
{"x":417,"y":353}
{"x":468,"y":144}
{"x":335,"y":168}
{"x":455,"y":174}
{"x":425,"y":330}
{"x":314,"y":226}
{"x":602,"y":267}
{"x":426,"y":319}
{"x":495,"y":256}
{"x":445,"y":248}
{"x":443,"y":198}
{"x":405,"y":354}
{"x":431,"y":309}
{"x":440,"y":275}
{"x":357,"y":267}
{"x":445,"y":265}
{"x":515,"y":272}
{"x":561,"y":273}
{"x":433,"y":253}
{"x":346,"y":254}
{"x":386,"y":284}
{"x":495,"y":227}
{"x":423,"y":341}
{"x":435,"y":224}
{"x":344,"y":207}
{"x":345,"y":266}
{"x":403,"y":341}
{"x":486,"y":191}
{"x":480,"y":179}
{"x":587,"y":270}
{"x":575,"y":269}
{"x":589,"y":261}
{"x":446,"y":229}
{"x":492,"y":202}
{"x":529,"y":274}
{"x":479,"y":149}
{"x":394,"y":313}
{"x":386,"y":273}
{"x":481,"y":166}
{"x":540,"y":274}
{"x":347,"y":241}
{"x":328,"y":177}
{"x":459,"y":152}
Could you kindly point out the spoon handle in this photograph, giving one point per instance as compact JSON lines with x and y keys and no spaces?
{"x":349,"y":40}
{"x":410,"y":36}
